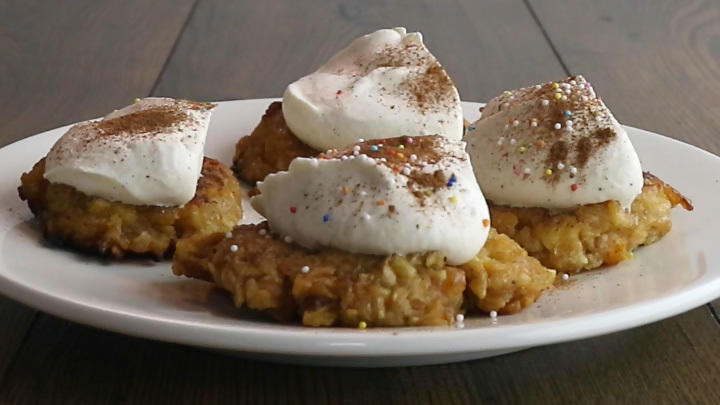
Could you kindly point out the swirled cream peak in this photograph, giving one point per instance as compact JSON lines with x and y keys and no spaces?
{"x":148,"y":153}
{"x":390,"y":196}
{"x":386,"y":82}
{"x":554,"y":145}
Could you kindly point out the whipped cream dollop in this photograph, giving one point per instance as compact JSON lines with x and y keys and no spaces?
{"x":392,"y":196}
{"x":386,"y":82}
{"x":554,"y":145}
{"x":148,"y":153}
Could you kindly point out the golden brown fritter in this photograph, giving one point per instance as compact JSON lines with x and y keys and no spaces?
{"x":111,"y":228}
{"x":340,"y":288}
{"x":270,"y":148}
{"x":592,"y":235}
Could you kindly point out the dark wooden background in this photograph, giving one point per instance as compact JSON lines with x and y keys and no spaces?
{"x":656,"y":63}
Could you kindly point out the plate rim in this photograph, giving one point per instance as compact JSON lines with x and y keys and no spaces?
{"x":376,"y":342}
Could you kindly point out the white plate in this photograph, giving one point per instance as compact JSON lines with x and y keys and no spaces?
{"x":143,"y":298}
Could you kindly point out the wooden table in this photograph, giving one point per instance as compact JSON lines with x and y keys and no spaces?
{"x":656,"y":63}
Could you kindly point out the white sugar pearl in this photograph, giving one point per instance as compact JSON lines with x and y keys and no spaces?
{"x":573,"y":169}
{"x":228,"y":235}
{"x":493,"y":314}
{"x":560,"y":166}
{"x":459,"y":317}
{"x":557,"y":125}
{"x":233,"y":248}
{"x":262,"y":231}
{"x":513,"y":141}
{"x":288,"y":239}
{"x":565,"y":277}
{"x":526,"y":170}
{"x":545,"y":103}
{"x":305,"y":269}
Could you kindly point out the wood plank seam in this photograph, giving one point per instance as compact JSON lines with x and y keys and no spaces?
{"x":547,"y":37}
{"x":174,"y":46}
{"x":713,"y":313}
{"x":14,"y":357}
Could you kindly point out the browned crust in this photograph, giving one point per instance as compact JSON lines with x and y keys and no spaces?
{"x":593,"y":235}
{"x":269,"y":148}
{"x":675,"y":197}
{"x":264,"y":273}
{"x":70,"y":217}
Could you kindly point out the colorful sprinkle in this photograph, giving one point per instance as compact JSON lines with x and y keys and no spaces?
{"x":374,"y":148}
{"x":453,"y":199}
{"x":548,"y":172}
{"x":486,"y":222}
{"x":380,"y":202}
{"x":339,"y":92}
{"x":522,"y":149}
{"x":452,"y":181}
{"x":574,"y":187}
{"x":362,"y":325}
{"x":568,"y":113}
{"x":293,"y":209}
{"x":401,"y":147}
{"x":401,"y":155}
{"x":345,"y":190}
{"x":137,"y":100}
{"x":557,"y":96}
{"x":507,"y":93}
{"x":471,"y":128}
{"x":555,"y":86}
{"x":409,"y":140}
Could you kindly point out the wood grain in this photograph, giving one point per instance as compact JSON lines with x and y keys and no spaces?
{"x":655,"y":63}
{"x":254,"y":52}
{"x":669,"y":362}
{"x":68,"y":63}
{"x":245,"y":49}
{"x":16,"y":320}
